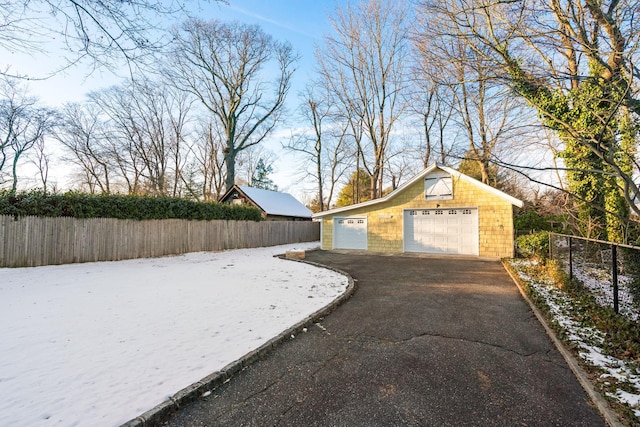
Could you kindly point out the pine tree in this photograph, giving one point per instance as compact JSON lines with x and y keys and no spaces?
{"x":260,"y":178}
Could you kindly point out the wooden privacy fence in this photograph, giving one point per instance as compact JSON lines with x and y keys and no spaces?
{"x":35,"y":241}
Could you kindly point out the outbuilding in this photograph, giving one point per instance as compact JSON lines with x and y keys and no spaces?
{"x":438,"y":211}
{"x":274,"y":205}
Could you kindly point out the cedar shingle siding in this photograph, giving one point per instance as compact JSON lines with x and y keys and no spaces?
{"x":385,"y":219}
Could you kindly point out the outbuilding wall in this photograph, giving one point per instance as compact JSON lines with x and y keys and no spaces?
{"x":384,"y":220}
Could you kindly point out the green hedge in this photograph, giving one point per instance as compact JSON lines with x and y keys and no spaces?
{"x":80,"y":205}
{"x":527,"y":220}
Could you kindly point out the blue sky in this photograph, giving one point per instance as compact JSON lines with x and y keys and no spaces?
{"x":300,"y":22}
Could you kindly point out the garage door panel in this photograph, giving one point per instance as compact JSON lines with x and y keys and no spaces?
{"x":468,"y":229}
{"x":350,"y":233}
{"x":452,"y":231}
{"x":467,"y":220}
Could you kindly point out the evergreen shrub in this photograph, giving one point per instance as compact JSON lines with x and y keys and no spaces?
{"x":534,"y":244}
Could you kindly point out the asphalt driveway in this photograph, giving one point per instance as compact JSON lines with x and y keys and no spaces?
{"x":424,"y":341}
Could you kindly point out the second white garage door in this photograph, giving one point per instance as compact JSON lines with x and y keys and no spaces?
{"x":443,"y":231}
{"x":350,"y":233}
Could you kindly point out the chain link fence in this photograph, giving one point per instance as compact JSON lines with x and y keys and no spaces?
{"x":610,"y":271}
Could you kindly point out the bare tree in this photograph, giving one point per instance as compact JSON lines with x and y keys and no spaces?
{"x":162,"y":111}
{"x":431,"y":102}
{"x":22,"y":125}
{"x":41,"y":159}
{"x":100,"y":33}
{"x":363,"y":64}
{"x":207,"y":150}
{"x":145,"y":125}
{"x":430,"y":99}
{"x":81,"y":134}
{"x":225,"y":66}
{"x":485,"y":116}
{"x":401,"y":162}
{"x":323,"y":144}
{"x":489,"y":116}
{"x":179,"y":121}
{"x":311,"y":143}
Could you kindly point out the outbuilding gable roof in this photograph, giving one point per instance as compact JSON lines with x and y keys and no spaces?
{"x":274,"y":202}
{"x":419,"y":176}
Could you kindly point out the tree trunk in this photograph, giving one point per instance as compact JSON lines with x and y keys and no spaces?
{"x":14,"y":173}
{"x":427,"y":155}
{"x":230,"y":164}
{"x":320,"y":181}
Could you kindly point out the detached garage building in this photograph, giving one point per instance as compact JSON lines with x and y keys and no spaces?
{"x":439,"y":211}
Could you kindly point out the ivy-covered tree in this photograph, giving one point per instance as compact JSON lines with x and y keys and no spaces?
{"x":573,"y":61}
{"x":595,"y":132}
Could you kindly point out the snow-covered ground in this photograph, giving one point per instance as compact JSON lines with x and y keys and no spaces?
{"x":588,"y":341}
{"x":597,"y":277}
{"x":100,"y":343}
{"x":599,"y":282}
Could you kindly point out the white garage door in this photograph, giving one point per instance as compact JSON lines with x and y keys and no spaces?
{"x":442,"y":231}
{"x":350,"y":233}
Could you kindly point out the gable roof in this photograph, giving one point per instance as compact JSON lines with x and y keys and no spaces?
{"x":418,"y":177}
{"x":273,"y":202}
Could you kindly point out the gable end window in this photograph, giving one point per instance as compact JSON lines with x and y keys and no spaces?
{"x":438,"y":188}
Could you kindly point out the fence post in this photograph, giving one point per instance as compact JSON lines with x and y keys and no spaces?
{"x":614,"y":274}
{"x":570,"y":259}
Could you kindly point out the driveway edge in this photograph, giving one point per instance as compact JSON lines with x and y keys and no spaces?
{"x":601,"y":404}
{"x":155,"y":416}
